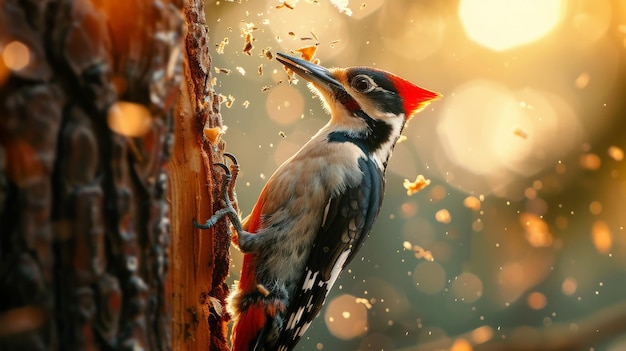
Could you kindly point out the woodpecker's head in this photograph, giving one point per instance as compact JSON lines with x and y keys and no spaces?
{"x":365,"y":103}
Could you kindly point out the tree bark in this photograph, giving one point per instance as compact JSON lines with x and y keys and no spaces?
{"x":201,"y":258}
{"x":97,"y":246}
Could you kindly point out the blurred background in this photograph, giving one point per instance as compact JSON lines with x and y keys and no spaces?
{"x":522,"y":227}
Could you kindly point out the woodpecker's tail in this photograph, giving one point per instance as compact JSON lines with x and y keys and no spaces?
{"x":247,"y":328}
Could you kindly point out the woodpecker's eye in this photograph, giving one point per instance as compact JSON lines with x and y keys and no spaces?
{"x":363,"y":84}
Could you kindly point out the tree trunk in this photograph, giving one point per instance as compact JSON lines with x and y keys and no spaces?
{"x":97,"y":246}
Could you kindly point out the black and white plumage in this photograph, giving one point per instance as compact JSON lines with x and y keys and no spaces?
{"x":316,"y":210}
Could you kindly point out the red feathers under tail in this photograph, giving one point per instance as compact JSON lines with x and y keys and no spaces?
{"x":247,"y":327}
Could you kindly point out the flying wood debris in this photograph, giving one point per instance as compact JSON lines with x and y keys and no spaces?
{"x":248,"y":46}
{"x":520,"y":133}
{"x":267,"y":52}
{"x":413,"y":187}
{"x":229,"y":101}
{"x":214,"y":134}
{"x":307,"y":52}
{"x":221,"y":45}
{"x":222,"y":70}
{"x":290,"y":4}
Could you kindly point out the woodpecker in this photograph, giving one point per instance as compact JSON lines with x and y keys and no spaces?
{"x":316,"y":210}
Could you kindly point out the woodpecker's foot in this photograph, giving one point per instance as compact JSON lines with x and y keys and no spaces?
{"x":272,"y":299}
{"x":234,"y":171}
{"x":229,"y":209}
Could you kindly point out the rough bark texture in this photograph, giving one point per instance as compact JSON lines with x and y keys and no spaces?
{"x":85,"y":232}
{"x":201,"y":258}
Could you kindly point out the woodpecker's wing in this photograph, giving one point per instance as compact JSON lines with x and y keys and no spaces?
{"x":347,"y":223}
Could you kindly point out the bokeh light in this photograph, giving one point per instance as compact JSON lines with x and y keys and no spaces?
{"x":523,"y":218}
{"x":429,"y":277}
{"x":500,"y":25}
{"x":345,"y":317}
{"x":500,"y":135}
{"x":15,"y":55}
{"x":129,"y":119}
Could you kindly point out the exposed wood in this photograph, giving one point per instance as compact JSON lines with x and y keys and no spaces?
{"x":200,"y":258}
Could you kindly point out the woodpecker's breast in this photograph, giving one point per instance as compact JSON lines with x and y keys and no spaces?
{"x":296,"y":199}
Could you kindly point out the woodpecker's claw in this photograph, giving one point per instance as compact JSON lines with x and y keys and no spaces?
{"x":228,"y":196}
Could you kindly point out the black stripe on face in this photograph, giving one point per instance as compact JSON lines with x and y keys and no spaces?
{"x":377,"y":133}
{"x":386,"y":99}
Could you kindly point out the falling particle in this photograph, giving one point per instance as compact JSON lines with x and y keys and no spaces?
{"x":247,"y":28}
{"x":290,"y":4}
{"x":282,"y":134}
{"x":364,"y":302}
{"x":401,"y":139}
{"x":241,"y":70}
{"x":245,"y":104}
{"x":342,"y":6}
{"x":214,"y":134}
{"x":229,"y":101}
{"x":420,"y":252}
{"x":265,"y":88}
{"x":345,"y":314}
{"x":317,"y":40}
{"x":15,"y":55}
{"x":292,"y":35}
{"x":260,"y":69}
{"x":520,"y":133}
{"x":129,"y":119}
{"x":319,"y":346}
{"x":307,"y":52}
{"x":222,"y":45}
{"x":413,"y":187}
{"x":262,"y":176}
{"x":472,"y":202}
{"x":616,"y":153}
{"x":407,"y":245}
{"x":332,"y":43}
{"x":222,"y":70}
{"x":582,"y":80}
{"x":362,"y":6}
{"x":267,"y":52}
{"x":248,"y":48}
{"x":443,"y":216}
{"x":214,"y":81}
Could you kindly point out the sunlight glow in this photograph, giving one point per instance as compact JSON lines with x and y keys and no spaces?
{"x":345,"y":317}
{"x":501,"y":25}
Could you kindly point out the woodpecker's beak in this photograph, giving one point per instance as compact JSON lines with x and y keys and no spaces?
{"x":321,"y":77}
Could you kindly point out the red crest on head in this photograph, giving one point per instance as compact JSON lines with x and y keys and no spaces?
{"x":413,"y":97}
